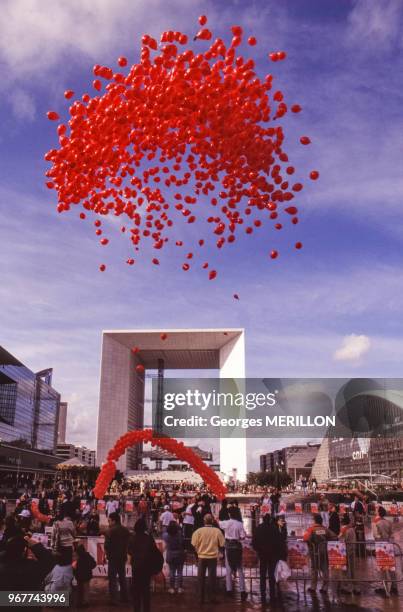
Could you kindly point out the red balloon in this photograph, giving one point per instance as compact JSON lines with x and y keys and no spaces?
{"x":140,"y":368}
{"x":212,"y":274}
{"x":52,"y":116}
{"x":314,"y":175}
{"x":298,"y":245}
{"x":69,"y":93}
{"x":305,"y":140}
{"x":274,"y":254}
{"x":118,"y":153}
{"x":164,"y":336}
{"x":102,"y":267}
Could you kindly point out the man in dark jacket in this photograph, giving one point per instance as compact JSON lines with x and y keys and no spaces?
{"x":116,"y":543}
{"x":18,"y":573}
{"x":269,"y":541}
{"x":142,"y":552}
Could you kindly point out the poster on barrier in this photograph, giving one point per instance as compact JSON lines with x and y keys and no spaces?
{"x":42,"y":538}
{"x":297,"y":554}
{"x":282,"y":509}
{"x":394,"y":509}
{"x":400,"y":506}
{"x":129,"y":506}
{"x":337,"y":555}
{"x":342,"y":508}
{"x":385,"y":556}
{"x":298,"y":508}
{"x":387,"y":505}
{"x":314,"y":508}
{"x":101,"y":505}
{"x":264,"y":509}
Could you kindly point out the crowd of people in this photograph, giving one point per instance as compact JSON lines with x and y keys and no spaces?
{"x":191,"y":528}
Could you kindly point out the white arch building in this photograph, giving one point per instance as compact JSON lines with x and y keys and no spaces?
{"x":121,"y":401}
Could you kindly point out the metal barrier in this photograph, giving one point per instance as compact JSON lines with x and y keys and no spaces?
{"x":363,"y":566}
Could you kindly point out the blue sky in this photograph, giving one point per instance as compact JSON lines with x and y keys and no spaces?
{"x":333,"y":309}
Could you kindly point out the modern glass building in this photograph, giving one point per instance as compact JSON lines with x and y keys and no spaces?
{"x":371,"y":414}
{"x":29,"y":406}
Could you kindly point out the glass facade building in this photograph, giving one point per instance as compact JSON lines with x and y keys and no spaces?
{"x":29,"y":406}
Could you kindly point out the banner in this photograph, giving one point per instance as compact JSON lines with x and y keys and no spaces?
{"x":282,"y":509}
{"x":337,"y":555}
{"x":128,"y":506}
{"x":385,"y":556}
{"x":298,"y":507}
{"x":297,"y":554}
{"x":314,"y":508}
{"x":264,"y":509}
{"x":101,"y":505}
{"x":42,"y":538}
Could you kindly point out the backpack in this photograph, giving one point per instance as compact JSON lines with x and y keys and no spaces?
{"x":156,"y":559}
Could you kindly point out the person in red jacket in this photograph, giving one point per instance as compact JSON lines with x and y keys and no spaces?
{"x":317,"y":535}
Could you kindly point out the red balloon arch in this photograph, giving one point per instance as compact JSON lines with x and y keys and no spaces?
{"x":169,"y":444}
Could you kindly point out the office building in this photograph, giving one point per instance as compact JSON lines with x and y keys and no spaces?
{"x":29,"y":405}
{"x":61,"y":429}
{"x":296,"y":460}
{"x":81,"y":453}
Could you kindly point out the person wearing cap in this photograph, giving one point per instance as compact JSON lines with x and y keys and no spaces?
{"x":316,"y":536}
{"x":165,"y":518}
{"x":207,"y":542}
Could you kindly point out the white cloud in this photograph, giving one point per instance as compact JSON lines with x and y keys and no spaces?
{"x":375,"y":23}
{"x":22,"y":104}
{"x":353,"y":348}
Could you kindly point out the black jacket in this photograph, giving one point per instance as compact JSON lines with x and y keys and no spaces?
{"x":116,"y":542}
{"x":141,"y":547}
{"x":84,"y":567}
{"x":26,"y":574}
{"x":270,"y":542}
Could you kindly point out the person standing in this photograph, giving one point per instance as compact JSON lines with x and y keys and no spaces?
{"x":234,"y":534}
{"x":3,"y":508}
{"x":166,"y":518}
{"x":188,"y":521}
{"x":146,"y":560}
{"x":347,"y":535}
{"x":383,"y":531}
{"x":175,"y":556}
{"x":116,"y":546}
{"x":63,"y":535}
{"x":316,"y":536}
{"x":84,"y":565}
{"x":334,"y":520}
{"x":270,"y":543}
{"x":207,"y":541}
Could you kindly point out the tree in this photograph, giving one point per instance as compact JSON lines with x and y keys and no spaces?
{"x":276,"y":479}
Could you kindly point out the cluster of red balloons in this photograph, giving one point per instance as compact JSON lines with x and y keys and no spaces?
{"x":44,"y":518}
{"x":169,"y":444}
{"x":181,"y":135}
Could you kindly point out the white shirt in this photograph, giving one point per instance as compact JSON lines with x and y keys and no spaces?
{"x":189,"y":519}
{"x":233,"y":530}
{"x":166,"y":518}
